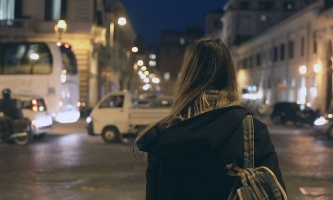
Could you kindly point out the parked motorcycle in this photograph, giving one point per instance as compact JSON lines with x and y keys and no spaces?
{"x":18,"y":130}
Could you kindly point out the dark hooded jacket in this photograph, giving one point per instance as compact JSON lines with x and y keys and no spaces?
{"x":188,"y":159}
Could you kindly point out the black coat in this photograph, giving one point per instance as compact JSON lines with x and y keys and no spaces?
{"x":188,"y":159}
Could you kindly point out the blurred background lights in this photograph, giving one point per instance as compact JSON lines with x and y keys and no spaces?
{"x":317,"y":68}
{"x":155,"y":80}
{"x":34,"y":56}
{"x":122,"y":21}
{"x":152,"y":56}
{"x":146,"y":87}
{"x":302,"y":69}
{"x":140,"y":62}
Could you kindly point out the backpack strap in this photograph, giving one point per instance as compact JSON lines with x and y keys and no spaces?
{"x":248,"y":131}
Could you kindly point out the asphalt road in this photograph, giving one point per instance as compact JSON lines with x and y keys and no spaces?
{"x":69,"y":164}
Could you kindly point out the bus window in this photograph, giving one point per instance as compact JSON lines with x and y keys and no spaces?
{"x":68,"y":59}
{"x":24,"y":58}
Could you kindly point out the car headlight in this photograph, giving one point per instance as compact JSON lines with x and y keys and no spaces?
{"x":320,"y":121}
{"x":88,"y":120}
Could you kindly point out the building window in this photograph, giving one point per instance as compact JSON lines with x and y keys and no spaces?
{"x":48,"y":10}
{"x":18,"y":9}
{"x":282,"y":51}
{"x":266,"y":5}
{"x":63,"y":11}
{"x":291,"y":49}
{"x":302,"y":46}
{"x":258,"y":59}
{"x":288,"y":5}
{"x":250,"y":62}
{"x":55,"y":10}
{"x":275,"y":54}
{"x":7,"y":9}
{"x":314,"y":47}
{"x":244,"y":5}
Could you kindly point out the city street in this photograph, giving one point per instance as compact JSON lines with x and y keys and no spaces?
{"x":69,"y":164}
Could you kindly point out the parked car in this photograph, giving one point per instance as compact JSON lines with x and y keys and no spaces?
{"x":35,"y":109}
{"x":299,"y":114}
{"x":324,"y":124}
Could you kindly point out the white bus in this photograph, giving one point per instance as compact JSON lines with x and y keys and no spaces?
{"x":43,"y":69}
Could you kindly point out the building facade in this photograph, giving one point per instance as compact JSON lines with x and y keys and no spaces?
{"x":244,"y":19}
{"x":88,"y":28}
{"x":171,"y":54}
{"x":291,"y":61}
{"x":213,"y":23}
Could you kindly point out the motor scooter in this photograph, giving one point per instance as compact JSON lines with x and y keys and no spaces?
{"x":17,"y":130}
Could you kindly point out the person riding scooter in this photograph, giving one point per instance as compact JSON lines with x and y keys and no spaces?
{"x":13,"y":126}
{"x":9,"y":106}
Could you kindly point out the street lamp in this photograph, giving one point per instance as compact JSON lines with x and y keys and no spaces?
{"x":122,"y":21}
{"x":302,"y":69}
{"x":135,"y":49}
{"x":60,"y":27}
{"x":143,"y":68}
{"x":140,"y":62}
{"x":316,"y":68}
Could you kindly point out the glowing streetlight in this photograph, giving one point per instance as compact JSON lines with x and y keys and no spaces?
{"x":302,"y":69}
{"x":135,"y":49}
{"x":146,"y":73}
{"x":146,"y":80}
{"x":60,"y":27}
{"x":146,"y":87}
{"x":140,"y":62}
{"x":155,"y":80}
{"x":122,"y":21}
{"x":143,"y":68}
{"x":142,"y":76}
{"x":316,"y":68}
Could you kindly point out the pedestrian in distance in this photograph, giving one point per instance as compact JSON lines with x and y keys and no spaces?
{"x":189,"y":150}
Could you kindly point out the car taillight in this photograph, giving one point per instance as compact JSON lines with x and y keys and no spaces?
{"x":34,"y":105}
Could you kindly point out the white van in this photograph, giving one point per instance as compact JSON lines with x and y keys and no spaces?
{"x":35,"y":108}
{"x":117,"y":114}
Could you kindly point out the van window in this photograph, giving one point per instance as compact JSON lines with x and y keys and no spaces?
{"x":115,"y":101}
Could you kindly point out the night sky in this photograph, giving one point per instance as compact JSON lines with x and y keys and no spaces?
{"x":150,"y":17}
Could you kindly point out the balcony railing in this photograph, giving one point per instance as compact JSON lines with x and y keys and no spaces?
{"x":16,"y":26}
{"x":16,"y":23}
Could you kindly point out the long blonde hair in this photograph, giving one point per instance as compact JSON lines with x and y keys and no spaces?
{"x":207,"y":80}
